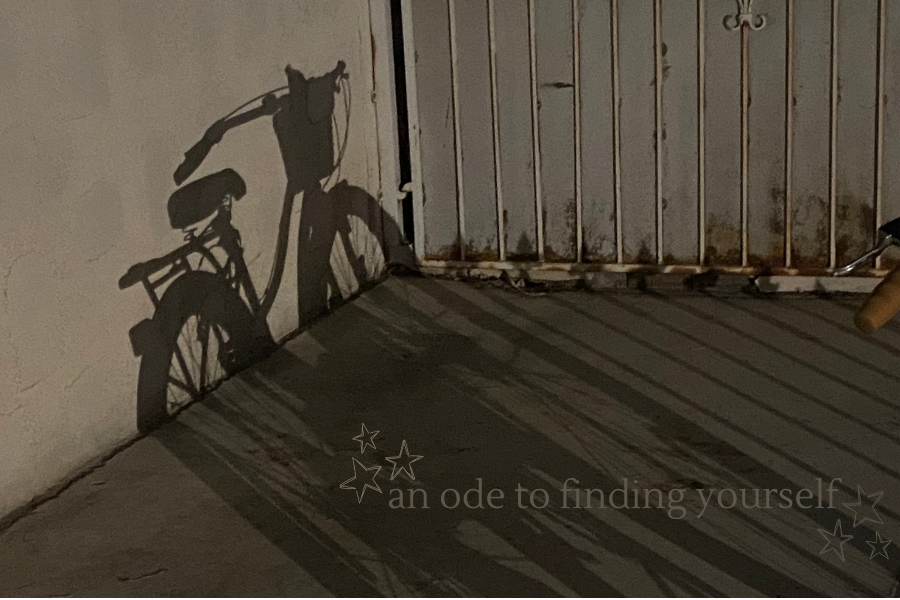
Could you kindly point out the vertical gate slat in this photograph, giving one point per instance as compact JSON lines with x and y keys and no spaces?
{"x":535,"y":130}
{"x":767,"y":136}
{"x":617,"y":126}
{"x":638,"y":65}
{"x":810,"y":155}
{"x":597,"y":171}
{"x":680,"y":142}
{"x":879,"y":120}
{"x":723,"y":138}
{"x":514,"y":115}
{"x":890,"y":207}
{"x":857,"y":51}
{"x":495,"y":131}
{"x":476,"y":129}
{"x":431,"y":27}
{"x":789,"y":68}
{"x":576,"y":92}
{"x":555,"y":83}
{"x":457,"y":135}
{"x":701,"y":131}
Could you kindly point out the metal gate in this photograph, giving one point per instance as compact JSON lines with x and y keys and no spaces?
{"x":671,"y":135}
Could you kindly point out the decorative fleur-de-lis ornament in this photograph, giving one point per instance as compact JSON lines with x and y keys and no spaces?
{"x":745,"y":15}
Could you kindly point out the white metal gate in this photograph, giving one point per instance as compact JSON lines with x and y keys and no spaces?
{"x":534,"y":125}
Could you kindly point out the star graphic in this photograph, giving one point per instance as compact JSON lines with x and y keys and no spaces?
{"x":830,"y":537}
{"x":366,"y":442}
{"x":867,"y":510}
{"x":878,"y":542}
{"x":405,"y":465}
{"x":365,"y":484}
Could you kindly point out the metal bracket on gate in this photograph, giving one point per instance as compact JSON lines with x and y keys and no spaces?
{"x":405,"y":190}
{"x":745,"y":15}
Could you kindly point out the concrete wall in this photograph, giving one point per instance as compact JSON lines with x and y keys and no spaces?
{"x":98,"y":102}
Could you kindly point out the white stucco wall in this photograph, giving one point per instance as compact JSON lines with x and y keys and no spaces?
{"x":98,"y":102}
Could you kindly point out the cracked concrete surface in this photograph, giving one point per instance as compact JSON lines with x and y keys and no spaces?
{"x":241,"y":495}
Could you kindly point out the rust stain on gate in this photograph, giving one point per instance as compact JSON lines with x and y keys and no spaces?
{"x":810,"y":210}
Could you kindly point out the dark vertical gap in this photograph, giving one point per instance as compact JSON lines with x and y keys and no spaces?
{"x":402,"y":115}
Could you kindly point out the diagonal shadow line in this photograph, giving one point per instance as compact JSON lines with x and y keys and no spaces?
{"x":847,"y":329}
{"x":698,"y":313}
{"x":261,"y":513}
{"x":848,"y":306}
{"x":800,"y":333}
{"x":581,"y":555}
{"x":830,"y":517}
{"x":530,"y":546}
{"x":665,"y":468}
{"x":533,"y":553}
{"x":826,"y":521}
{"x":823,"y":516}
{"x":777,"y":350}
{"x":651,"y":561}
{"x":669,"y":469}
{"x":675,"y":359}
{"x":664,"y":585}
{"x":419,"y":588}
{"x":499,"y":575}
{"x":742,"y":567}
{"x":802,"y":393}
{"x":480,"y":359}
{"x":510,"y":581}
{"x":571,"y":573}
{"x":324,"y":566}
{"x":785,"y":480}
{"x":844,"y":303}
{"x":651,"y":566}
{"x":621,"y":543}
{"x":675,"y":475}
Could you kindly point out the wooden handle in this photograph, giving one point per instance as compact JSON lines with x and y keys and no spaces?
{"x":882,"y":304}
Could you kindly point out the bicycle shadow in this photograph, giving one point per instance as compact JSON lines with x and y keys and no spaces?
{"x":210,"y":320}
{"x":331,"y":220}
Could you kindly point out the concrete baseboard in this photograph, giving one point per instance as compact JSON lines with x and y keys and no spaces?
{"x":710,"y":281}
{"x":798,"y":284}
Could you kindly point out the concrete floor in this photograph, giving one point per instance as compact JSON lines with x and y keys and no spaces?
{"x":241,"y":495}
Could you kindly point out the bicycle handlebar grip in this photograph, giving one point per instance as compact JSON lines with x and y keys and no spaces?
{"x":192,"y":160}
{"x":198,"y":152}
{"x":881,"y":305}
